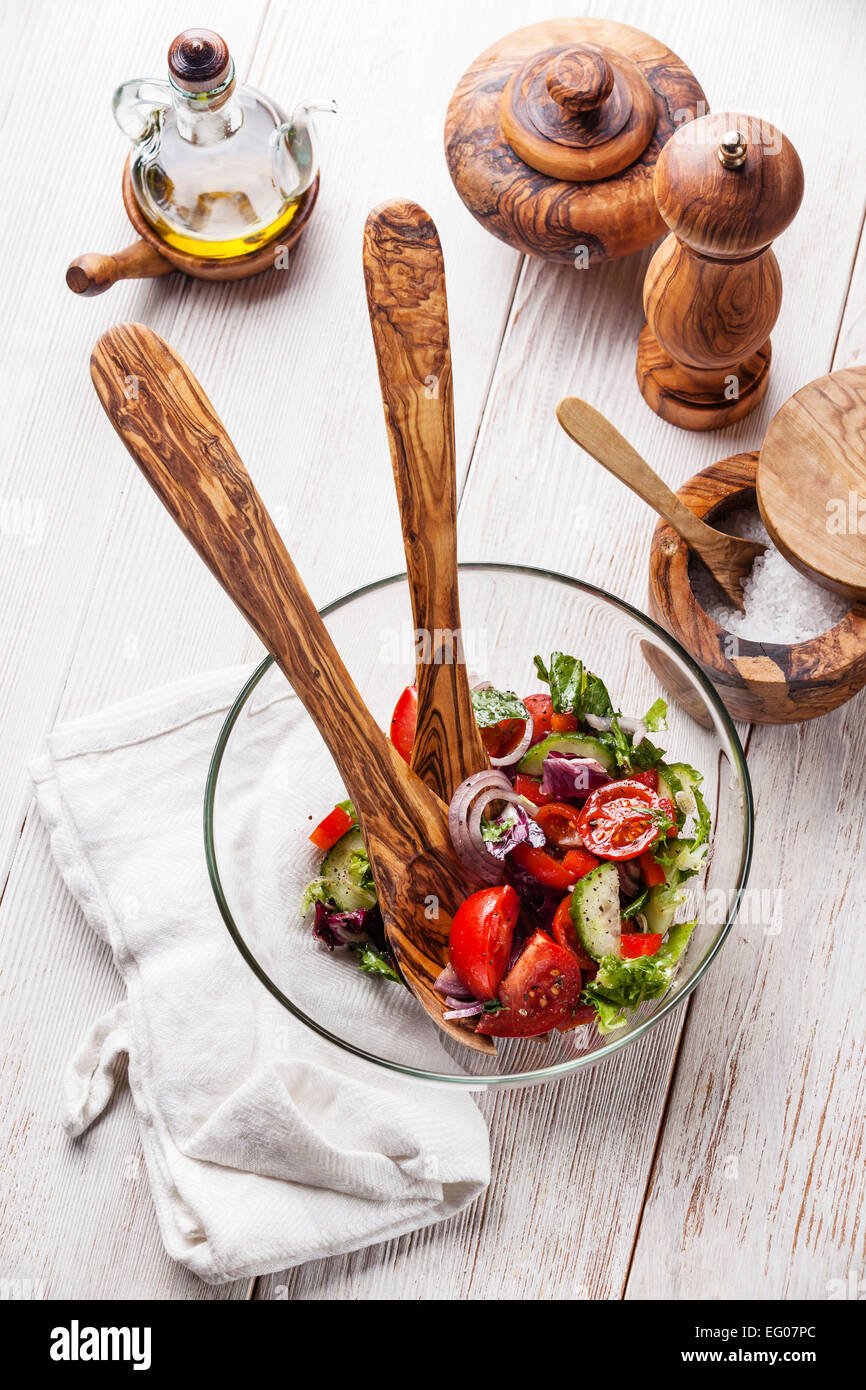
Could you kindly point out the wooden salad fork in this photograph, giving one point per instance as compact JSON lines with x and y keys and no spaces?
{"x":405,"y":277}
{"x":728,"y":558}
{"x":182,"y":448}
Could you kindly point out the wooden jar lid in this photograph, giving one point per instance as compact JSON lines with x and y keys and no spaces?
{"x":578,"y":111}
{"x":812,"y":481}
{"x":728,"y":184}
{"x":553,"y":133}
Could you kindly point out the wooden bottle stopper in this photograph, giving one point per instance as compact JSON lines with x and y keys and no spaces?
{"x":727,"y":185}
{"x":199,"y":61}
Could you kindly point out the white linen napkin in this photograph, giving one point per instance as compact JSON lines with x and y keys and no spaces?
{"x":266,"y":1146}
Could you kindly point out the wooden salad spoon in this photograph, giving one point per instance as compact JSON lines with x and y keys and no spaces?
{"x":405,"y":277}
{"x":172,"y":431}
{"x":728,"y":558}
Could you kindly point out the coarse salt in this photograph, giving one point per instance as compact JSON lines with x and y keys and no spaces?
{"x":781,"y":605}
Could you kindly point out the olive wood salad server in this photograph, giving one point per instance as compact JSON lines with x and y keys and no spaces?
{"x":405,"y":277}
{"x":171,"y":430}
{"x":728,"y":558}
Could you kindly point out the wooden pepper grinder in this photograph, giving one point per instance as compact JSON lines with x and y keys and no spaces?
{"x":726,"y":185}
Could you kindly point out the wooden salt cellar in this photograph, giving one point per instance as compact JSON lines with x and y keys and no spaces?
{"x":763,"y":682}
{"x":726,"y":185}
{"x":552,"y":135}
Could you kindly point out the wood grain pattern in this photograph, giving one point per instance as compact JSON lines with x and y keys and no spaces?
{"x":549,"y":216}
{"x":170,"y":429}
{"x":812,"y":481}
{"x":97,"y":271}
{"x":767,"y":683}
{"x":713,"y":289}
{"x":728,"y":558}
{"x":404,"y":272}
{"x":578,"y":112}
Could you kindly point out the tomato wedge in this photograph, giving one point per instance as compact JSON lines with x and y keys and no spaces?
{"x":579,"y":863}
{"x":481,"y":936}
{"x":542,"y":866}
{"x":403,"y":722}
{"x":329,"y":830}
{"x":565,"y":933}
{"x":653,"y":873}
{"x":622,"y":820}
{"x":541,"y":709}
{"x":639,"y":943}
{"x":564,"y":723}
{"x":559,"y":823}
{"x":530,"y":787}
{"x":540,"y":992}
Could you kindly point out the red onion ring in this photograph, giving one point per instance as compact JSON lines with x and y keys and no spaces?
{"x":468,"y":1011}
{"x":492,"y":786}
{"x":516,"y":753}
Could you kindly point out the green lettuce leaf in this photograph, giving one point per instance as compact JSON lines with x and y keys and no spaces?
{"x":656,"y":716}
{"x":491,"y":705}
{"x":623,"y":985}
{"x":374,"y":963}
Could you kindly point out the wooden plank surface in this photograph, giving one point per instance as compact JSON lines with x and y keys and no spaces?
{"x":91,"y":615}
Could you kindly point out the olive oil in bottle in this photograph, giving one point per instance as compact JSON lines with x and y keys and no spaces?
{"x":217,"y":170}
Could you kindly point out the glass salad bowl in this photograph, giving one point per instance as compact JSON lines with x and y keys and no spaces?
{"x":271,"y":780}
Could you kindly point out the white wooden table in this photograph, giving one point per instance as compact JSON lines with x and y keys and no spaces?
{"x":721,"y":1156}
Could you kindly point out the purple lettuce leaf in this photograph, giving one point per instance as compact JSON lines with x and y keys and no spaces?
{"x":517,"y":828}
{"x":570,"y":778}
{"x":336,"y":928}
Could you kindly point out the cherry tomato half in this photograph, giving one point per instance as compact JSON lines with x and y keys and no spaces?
{"x":403,"y":722}
{"x":541,"y":709}
{"x":621,"y":820}
{"x":540,"y":992}
{"x":650,"y":778}
{"x":559,"y":823}
{"x":639,"y":943}
{"x":481,"y":936}
{"x":329,"y":830}
{"x":530,"y":787}
{"x":502,"y":738}
{"x":565,"y":933}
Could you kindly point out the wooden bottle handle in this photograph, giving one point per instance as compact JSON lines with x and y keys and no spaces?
{"x":405,"y":277}
{"x":97,"y":272}
{"x":172,"y":431}
{"x":589,"y":428}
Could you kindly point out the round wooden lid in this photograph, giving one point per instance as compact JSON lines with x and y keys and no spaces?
{"x":199,"y":61}
{"x":578,"y":111}
{"x":812,"y":481}
{"x":552,"y":135}
{"x":728,"y":184}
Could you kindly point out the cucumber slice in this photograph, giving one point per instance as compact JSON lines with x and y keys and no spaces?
{"x":578,"y":745}
{"x":665,"y":788}
{"x":595,"y":912}
{"x":660,"y":916}
{"x":342,"y":886}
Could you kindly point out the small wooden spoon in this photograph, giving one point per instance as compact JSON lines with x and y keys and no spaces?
{"x":405,"y":277}
{"x":170,"y":428}
{"x":728,"y":558}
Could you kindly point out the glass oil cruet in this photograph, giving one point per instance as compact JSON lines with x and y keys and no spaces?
{"x":217,"y":168}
